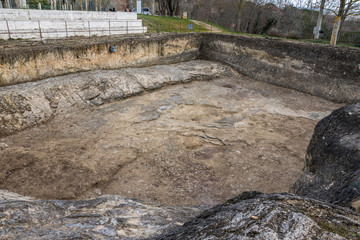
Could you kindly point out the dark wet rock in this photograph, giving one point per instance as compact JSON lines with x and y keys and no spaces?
{"x":253,"y":215}
{"x":332,"y":171}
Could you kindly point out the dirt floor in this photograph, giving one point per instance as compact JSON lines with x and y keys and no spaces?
{"x":193,"y":144}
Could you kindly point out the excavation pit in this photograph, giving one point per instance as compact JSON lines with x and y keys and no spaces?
{"x":190,"y":142}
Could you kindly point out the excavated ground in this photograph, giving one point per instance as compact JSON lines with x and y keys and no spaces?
{"x":192,"y":144}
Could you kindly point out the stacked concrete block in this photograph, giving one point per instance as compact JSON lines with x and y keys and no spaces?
{"x":45,"y":24}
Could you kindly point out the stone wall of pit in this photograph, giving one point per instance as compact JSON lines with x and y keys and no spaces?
{"x":321,"y":70}
{"x":59,"y":57}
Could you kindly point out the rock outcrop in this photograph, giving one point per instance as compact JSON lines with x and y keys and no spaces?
{"x":251,"y":215}
{"x":28,"y":104}
{"x":106,"y":217}
{"x":332,"y":171}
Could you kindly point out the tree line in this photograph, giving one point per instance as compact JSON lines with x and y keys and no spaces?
{"x":285,"y":18}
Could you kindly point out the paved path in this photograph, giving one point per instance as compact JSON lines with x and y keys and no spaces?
{"x":209,"y":27}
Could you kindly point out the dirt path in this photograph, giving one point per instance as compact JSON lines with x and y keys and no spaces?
{"x":209,"y":27}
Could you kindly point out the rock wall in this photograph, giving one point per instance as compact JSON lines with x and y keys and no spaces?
{"x":332,"y":165}
{"x":332,"y":73}
{"x":20,"y":64}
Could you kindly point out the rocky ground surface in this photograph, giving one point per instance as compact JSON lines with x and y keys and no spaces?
{"x":192,"y":144}
{"x":106,"y":217}
{"x":251,"y":215}
{"x":28,"y":104}
{"x":332,"y":171}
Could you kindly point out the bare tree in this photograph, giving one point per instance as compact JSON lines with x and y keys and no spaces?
{"x":241,"y":8}
{"x":162,"y":5}
{"x":172,"y":6}
{"x":168,"y":7}
{"x":342,"y":10}
{"x":350,"y":7}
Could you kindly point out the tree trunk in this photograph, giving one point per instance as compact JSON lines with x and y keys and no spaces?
{"x":319,"y":20}
{"x":153,"y":7}
{"x":337,"y":23}
{"x":169,"y":7}
{"x":240,"y":11}
{"x":345,"y":14}
{"x":335,"y":31}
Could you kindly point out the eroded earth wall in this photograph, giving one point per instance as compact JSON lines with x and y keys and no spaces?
{"x":321,"y":70}
{"x":19,"y":64}
{"x":332,"y":73}
{"x":28,"y":104}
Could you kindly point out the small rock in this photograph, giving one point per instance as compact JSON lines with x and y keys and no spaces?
{"x":3,"y":145}
{"x":97,"y":191}
{"x":254,"y":217}
{"x":357,"y":68}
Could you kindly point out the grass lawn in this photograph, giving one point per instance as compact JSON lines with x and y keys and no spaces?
{"x":158,"y":24}
{"x":322,"y":41}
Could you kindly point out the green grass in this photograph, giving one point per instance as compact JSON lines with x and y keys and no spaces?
{"x":158,"y":24}
{"x":322,"y":41}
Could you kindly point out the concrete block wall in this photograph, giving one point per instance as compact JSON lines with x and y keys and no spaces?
{"x":33,"y":14}
{"x":47,"y":24}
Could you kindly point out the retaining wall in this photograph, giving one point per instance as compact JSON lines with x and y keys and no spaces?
{"x":33,"y":14}
{"x":32,"y":29}
{"x":48,"y":24}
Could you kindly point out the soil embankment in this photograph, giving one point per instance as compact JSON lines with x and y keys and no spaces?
{"x":31,"y":61}
{"x":320,"y":70}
